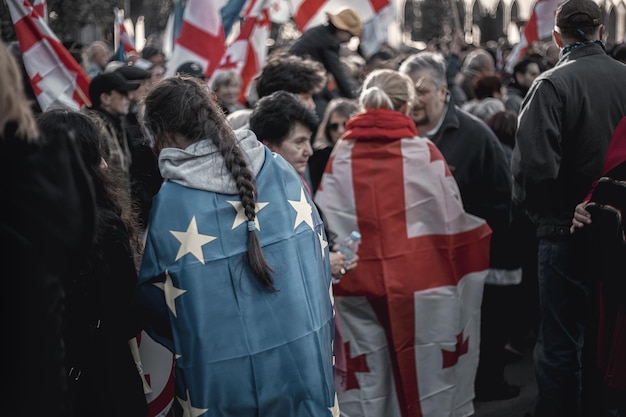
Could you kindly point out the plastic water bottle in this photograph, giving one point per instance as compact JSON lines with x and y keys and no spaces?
{"x":350,"y":245}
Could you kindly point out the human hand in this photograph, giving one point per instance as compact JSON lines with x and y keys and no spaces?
{"x":337,"y":261}
{"x":581,"y":217}
{"x":352,"y":264}
{"x":338,"y":265}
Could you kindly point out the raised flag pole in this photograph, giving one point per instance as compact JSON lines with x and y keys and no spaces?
{"x":119,"y":20}
{"x":455,"y":16}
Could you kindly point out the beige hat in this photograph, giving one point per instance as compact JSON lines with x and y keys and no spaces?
{"x":347,"y":20}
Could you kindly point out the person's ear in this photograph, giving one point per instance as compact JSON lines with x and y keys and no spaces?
{"x":443,"y":92}
{"x":557,"y":38}
{"x":105,"y":98}
{"x":404,"y":109}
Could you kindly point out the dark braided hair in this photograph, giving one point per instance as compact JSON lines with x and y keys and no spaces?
{"x":184,"y":106}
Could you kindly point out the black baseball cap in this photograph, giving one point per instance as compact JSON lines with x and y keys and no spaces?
{"x":191,"y":68}
{"x":107,"y":82}
{"x":578,"y":14}
{"x":132,"y":73}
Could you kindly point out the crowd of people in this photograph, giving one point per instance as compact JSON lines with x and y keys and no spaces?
{"x":489,"y":205}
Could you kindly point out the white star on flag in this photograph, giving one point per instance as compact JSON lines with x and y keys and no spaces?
{"x":188,"y":409}
{"x":241,"y":215}
{"x":323,"y":244}
{"x":191,"y":241}
{"x":171,"y":292}
{"x":303,"y":209}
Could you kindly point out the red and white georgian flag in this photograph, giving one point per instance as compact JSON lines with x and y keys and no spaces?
{"x":57,"y":79}
{"x":539,"y":26}
{"x":201,"y":37}
{"x":248,"y":53}
{"x":410,"y":311}
{"x":125,"y":41}
{"x":41,"y":7}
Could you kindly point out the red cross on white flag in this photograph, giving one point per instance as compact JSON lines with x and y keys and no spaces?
{"x":410,"y":312}
{"x":201,"y":37}
{"x":247,"y":54}
{"x":56,"y":77}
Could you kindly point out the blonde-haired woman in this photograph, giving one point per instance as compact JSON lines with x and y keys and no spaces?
{"x":422,"y":263}
{"x":330,"y":129}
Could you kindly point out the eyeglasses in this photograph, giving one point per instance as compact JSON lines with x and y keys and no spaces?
{"x":335,"y":126}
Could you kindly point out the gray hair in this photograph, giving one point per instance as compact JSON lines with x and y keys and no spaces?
{"x":431,"y":61}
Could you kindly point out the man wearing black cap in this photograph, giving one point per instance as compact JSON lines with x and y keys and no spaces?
{"x":145,"y":176}
{"x":191,"y":69}
{"x":109,"y":106}
{"x":565,"y":125}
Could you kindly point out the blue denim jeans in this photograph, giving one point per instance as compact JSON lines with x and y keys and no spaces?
{"x":564,"y":305}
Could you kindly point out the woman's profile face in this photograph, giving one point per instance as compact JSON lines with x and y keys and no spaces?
{"x":336,"y":126}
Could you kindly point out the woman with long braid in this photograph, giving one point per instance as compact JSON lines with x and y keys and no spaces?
{"x":235,"y":276}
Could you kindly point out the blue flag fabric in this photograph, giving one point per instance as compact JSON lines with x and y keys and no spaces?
{"x":230,"y":13}
{"x":241,"y":349}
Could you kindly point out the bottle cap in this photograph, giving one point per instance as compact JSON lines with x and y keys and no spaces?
{"x":355,"y":235}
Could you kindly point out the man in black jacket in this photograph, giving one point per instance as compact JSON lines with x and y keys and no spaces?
{"x":480,"y":168}
{"x":565,"y":127}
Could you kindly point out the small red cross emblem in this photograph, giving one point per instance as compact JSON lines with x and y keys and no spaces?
{"x":356,"y":364}
{"x":451,"y":358}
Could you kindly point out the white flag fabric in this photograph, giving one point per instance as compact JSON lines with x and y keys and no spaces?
{"x":158,"y":368}
{"x":410,"y":311}
{"x":201,"y":38}
{"x":57,"y":79}
{"x":248,"y":53}
{"x":539,"y":26}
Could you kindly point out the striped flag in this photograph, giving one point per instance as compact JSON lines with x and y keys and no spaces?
{"x":410,"y":311}
{"x":241,"y":349}
{"x":201,"y":37}
{"x":248,"y":53}
{"x":539,"y":26}
{"x":57,"y":79}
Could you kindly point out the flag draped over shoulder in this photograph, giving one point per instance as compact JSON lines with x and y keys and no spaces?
{"x":56,"y":78}
{"x":242,"y":350}
{"x":539,"y":26}
{"x":248,"y":53}
{"x":410,"y":311}
{"x":201,"y":37}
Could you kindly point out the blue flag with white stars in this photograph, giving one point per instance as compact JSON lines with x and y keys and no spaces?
{"x":241,"y":349}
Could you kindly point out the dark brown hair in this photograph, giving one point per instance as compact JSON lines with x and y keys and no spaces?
{"x":183,"y":105}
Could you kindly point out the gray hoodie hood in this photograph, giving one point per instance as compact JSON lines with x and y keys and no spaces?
{"x":201,"y":166}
